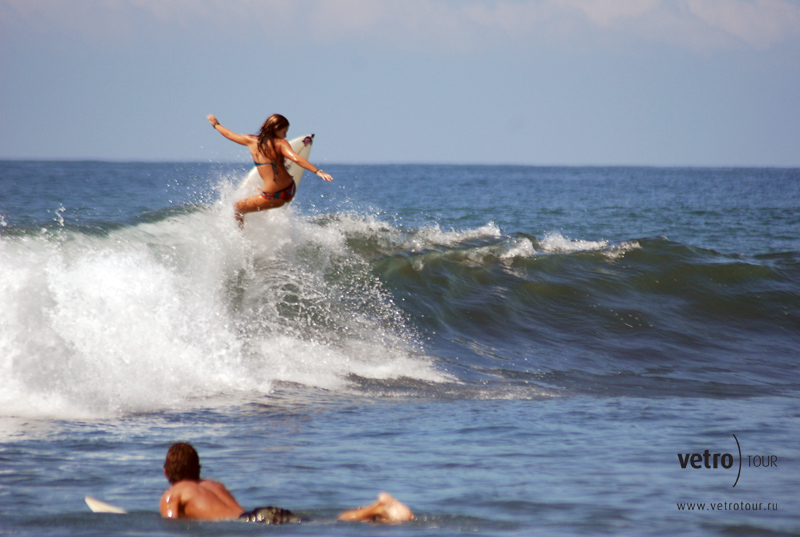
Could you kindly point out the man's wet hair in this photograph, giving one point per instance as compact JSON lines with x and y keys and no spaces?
{"x":182,"y":463}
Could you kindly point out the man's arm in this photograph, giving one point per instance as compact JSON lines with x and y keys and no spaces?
{"x":170,"y":506}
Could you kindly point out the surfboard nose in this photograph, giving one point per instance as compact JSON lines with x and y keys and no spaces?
{"x":102,"y":507}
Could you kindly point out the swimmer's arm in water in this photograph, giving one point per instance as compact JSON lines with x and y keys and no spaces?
{"x":242,"y":139}
{"x":286,"y":151}
{"x":170,"y":506}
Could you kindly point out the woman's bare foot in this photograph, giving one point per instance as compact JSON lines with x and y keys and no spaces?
{"x":386,"y":509}
{"x":394,"y":509}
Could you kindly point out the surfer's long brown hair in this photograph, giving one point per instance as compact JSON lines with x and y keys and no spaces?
{"x":182,"y":462}
{"x":272,"y":125}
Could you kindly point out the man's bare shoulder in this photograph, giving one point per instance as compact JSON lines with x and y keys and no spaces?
{"x":182,"y":491}
{"x":185,"y":487}
{"x":214,"y":486}
{"x":203,"y":499}
{"x":175,"y":497}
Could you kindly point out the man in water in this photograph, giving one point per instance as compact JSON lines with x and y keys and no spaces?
{"x":203,"y":499}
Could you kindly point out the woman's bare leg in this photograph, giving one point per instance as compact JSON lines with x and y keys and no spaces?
{"x":254,"y":204}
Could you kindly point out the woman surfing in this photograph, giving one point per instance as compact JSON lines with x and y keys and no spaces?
{"x":268,"y":149}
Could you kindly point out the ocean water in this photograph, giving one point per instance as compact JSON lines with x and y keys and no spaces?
{"x":508,"y":350}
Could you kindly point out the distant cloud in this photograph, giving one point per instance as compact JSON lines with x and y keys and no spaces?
{"x":761,"y":23}
{"x":442,"y":25}
{"x":606,"y":12}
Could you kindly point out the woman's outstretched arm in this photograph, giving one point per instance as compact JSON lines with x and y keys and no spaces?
{"x":287,"y":152}
{"x":242,"y":139}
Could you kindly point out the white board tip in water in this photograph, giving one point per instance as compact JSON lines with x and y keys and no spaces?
{"x":102,"y":507}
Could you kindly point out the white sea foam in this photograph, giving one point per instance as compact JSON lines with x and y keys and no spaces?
{"x":519,"y":248}
{"x":185,"y":309}
{"x":615,"y":252}
{"x":427,"y":237}
{"x":411,"y":240}
{"x":506,"y":251}
{"x":557,"y":243}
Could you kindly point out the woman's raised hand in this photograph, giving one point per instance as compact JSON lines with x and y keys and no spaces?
{"x":324,"y":176}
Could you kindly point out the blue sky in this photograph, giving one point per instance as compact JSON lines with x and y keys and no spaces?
{"x":563,"y":82}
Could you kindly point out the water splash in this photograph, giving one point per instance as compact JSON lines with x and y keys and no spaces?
{"x":179,"y":310}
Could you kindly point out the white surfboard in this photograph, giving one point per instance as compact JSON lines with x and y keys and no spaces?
{"x":253,"y":184}
{"x":102,"y":507}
